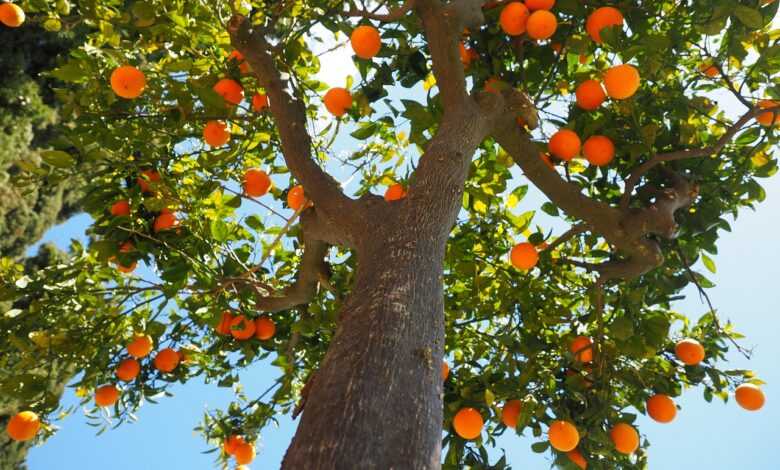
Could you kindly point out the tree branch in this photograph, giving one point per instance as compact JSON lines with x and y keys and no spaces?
{"x":394,"y":14}
{"x":657,"y":159}
{"x":290,"y":116}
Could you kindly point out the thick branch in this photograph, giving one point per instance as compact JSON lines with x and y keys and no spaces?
{"x":657,"y":159}
{"x":290,"y":116}
{"x":394,"y":14}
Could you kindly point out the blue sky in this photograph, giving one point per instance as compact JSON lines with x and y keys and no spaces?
{"x":704,"y":435}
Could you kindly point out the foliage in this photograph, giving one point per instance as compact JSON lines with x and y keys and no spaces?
{"x":508,"y":332}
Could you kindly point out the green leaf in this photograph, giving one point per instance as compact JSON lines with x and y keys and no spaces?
{"x":749,"y":17}
{"x":540,"y":447}
{"x":708,"y":263}
{"x":219,"y":230}
{"x":57,"y":158}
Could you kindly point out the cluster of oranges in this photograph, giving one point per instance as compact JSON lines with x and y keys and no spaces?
{"x":563,"y":434}
{"x":243,"y":328}
{"x":240,"y":449}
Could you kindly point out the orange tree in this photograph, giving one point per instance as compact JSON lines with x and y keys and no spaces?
{"x":439,"y":306}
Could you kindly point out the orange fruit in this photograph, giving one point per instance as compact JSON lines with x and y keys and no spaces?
{"x":524,"y":256}
{"x":145,"y":178}
{"x":296,"y":198}
{"x":582,"y":350}
{"x":365,"y":41}
{"x":465,"y":55}
{"x":709,"y":70}
{"x":576,"y":457}
{"x":468,"y":423}
{"x":238,"y":57}
{"x":766,"y":119}
{"x":395,"y":192}
{"x":165,"y":221}
{"x":244,"y":453}
{"x":621,"y":81}
{"x":541,"y":25}
{"x":106,"y":395}
{"x":661,"y":408}
{"x":166,"y":360}
{"x":242,"y":328}
{"x":599,"y":150}
{"x":337,"y":101}
{"x":513,"y":18}
{"x":600,"y":19}
{"x":231,"y":443}
{"x":128,"y":82}
{"x":11,"y":15}
{"x":128,"y":370}
{"x":265,"y":328}
{"x":557,"y":47}
{"x":256,"y":182}
{"x":563,"y":436}
{"x":223,"y":327}
{"x":126,"y":269}
{"x":565,"y":144}
{"x":140,"y":347}
{"x":216,"y":133}
{"x":510,"y":413}
{"x":590,"y":95}
{"x":120,"y":208}
{"x":539,"y":4}
{"x":445,"y":370}
{"x":494,"y":85}
{"x":230,"y":91}
{"x":259,"y":102}
{"x":625,"y":438}
{"x":749,"y":397}
{"x":689,"y":351}
{"x":24,"y":425}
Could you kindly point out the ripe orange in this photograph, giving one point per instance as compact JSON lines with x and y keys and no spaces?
{"x":128,"y":82}
{"x":465,"y":55}
{"x":165,"y":221}
{"x":689,"y":351}
{"x":565,"y":144}
{"x":128,"y":370}
{"x":365,"y":41}
{"x":582,"y":349}
{"x":395,"y":192}
{"x":11,"y":15}
{"x":539,"y":4}
{"x":709,"y":70}
{"x":125,"y":248}
{"x":468,"y":423}
{"x":140,"y":347}
{"x":145,"y":178}
{"x":106,"y":395}
{"x":265,"y":328}
{"x":563,"y":436}
{"x":524,"y":256}
{"x":24,"y":425}
{"x":766,"y":119}
{"x":445,"y":370}
{"x":166,"y":360}
{"x":621,"y":81}
{"x":120,"y":208}
{"x":216,"y":133}
{"x":513,"y":18}
{"x":244,"y":453}
{"x":510,"y":413}
{"x":337,"y":101}
{"x":259,"y":102}
{"x":231,"y":443}
{"x":661,"y":408}
{"x":557,"y":47}
{"x":296,"y":198}
{"x":494,"y":85}
{"x":625,"y":438}
{"x":599,"y":150}
{"x":590,"y":95}
{"x":230,"y":91}
{"x":749,"y":397}
{"x":223,"y":327}
{"x":243,"y":66}
{"x":242,"y":328}
{"x":576,"y":457}
{"x":256,"y":182}
{"x":541,"y":25}
{"x":600,"y":19}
